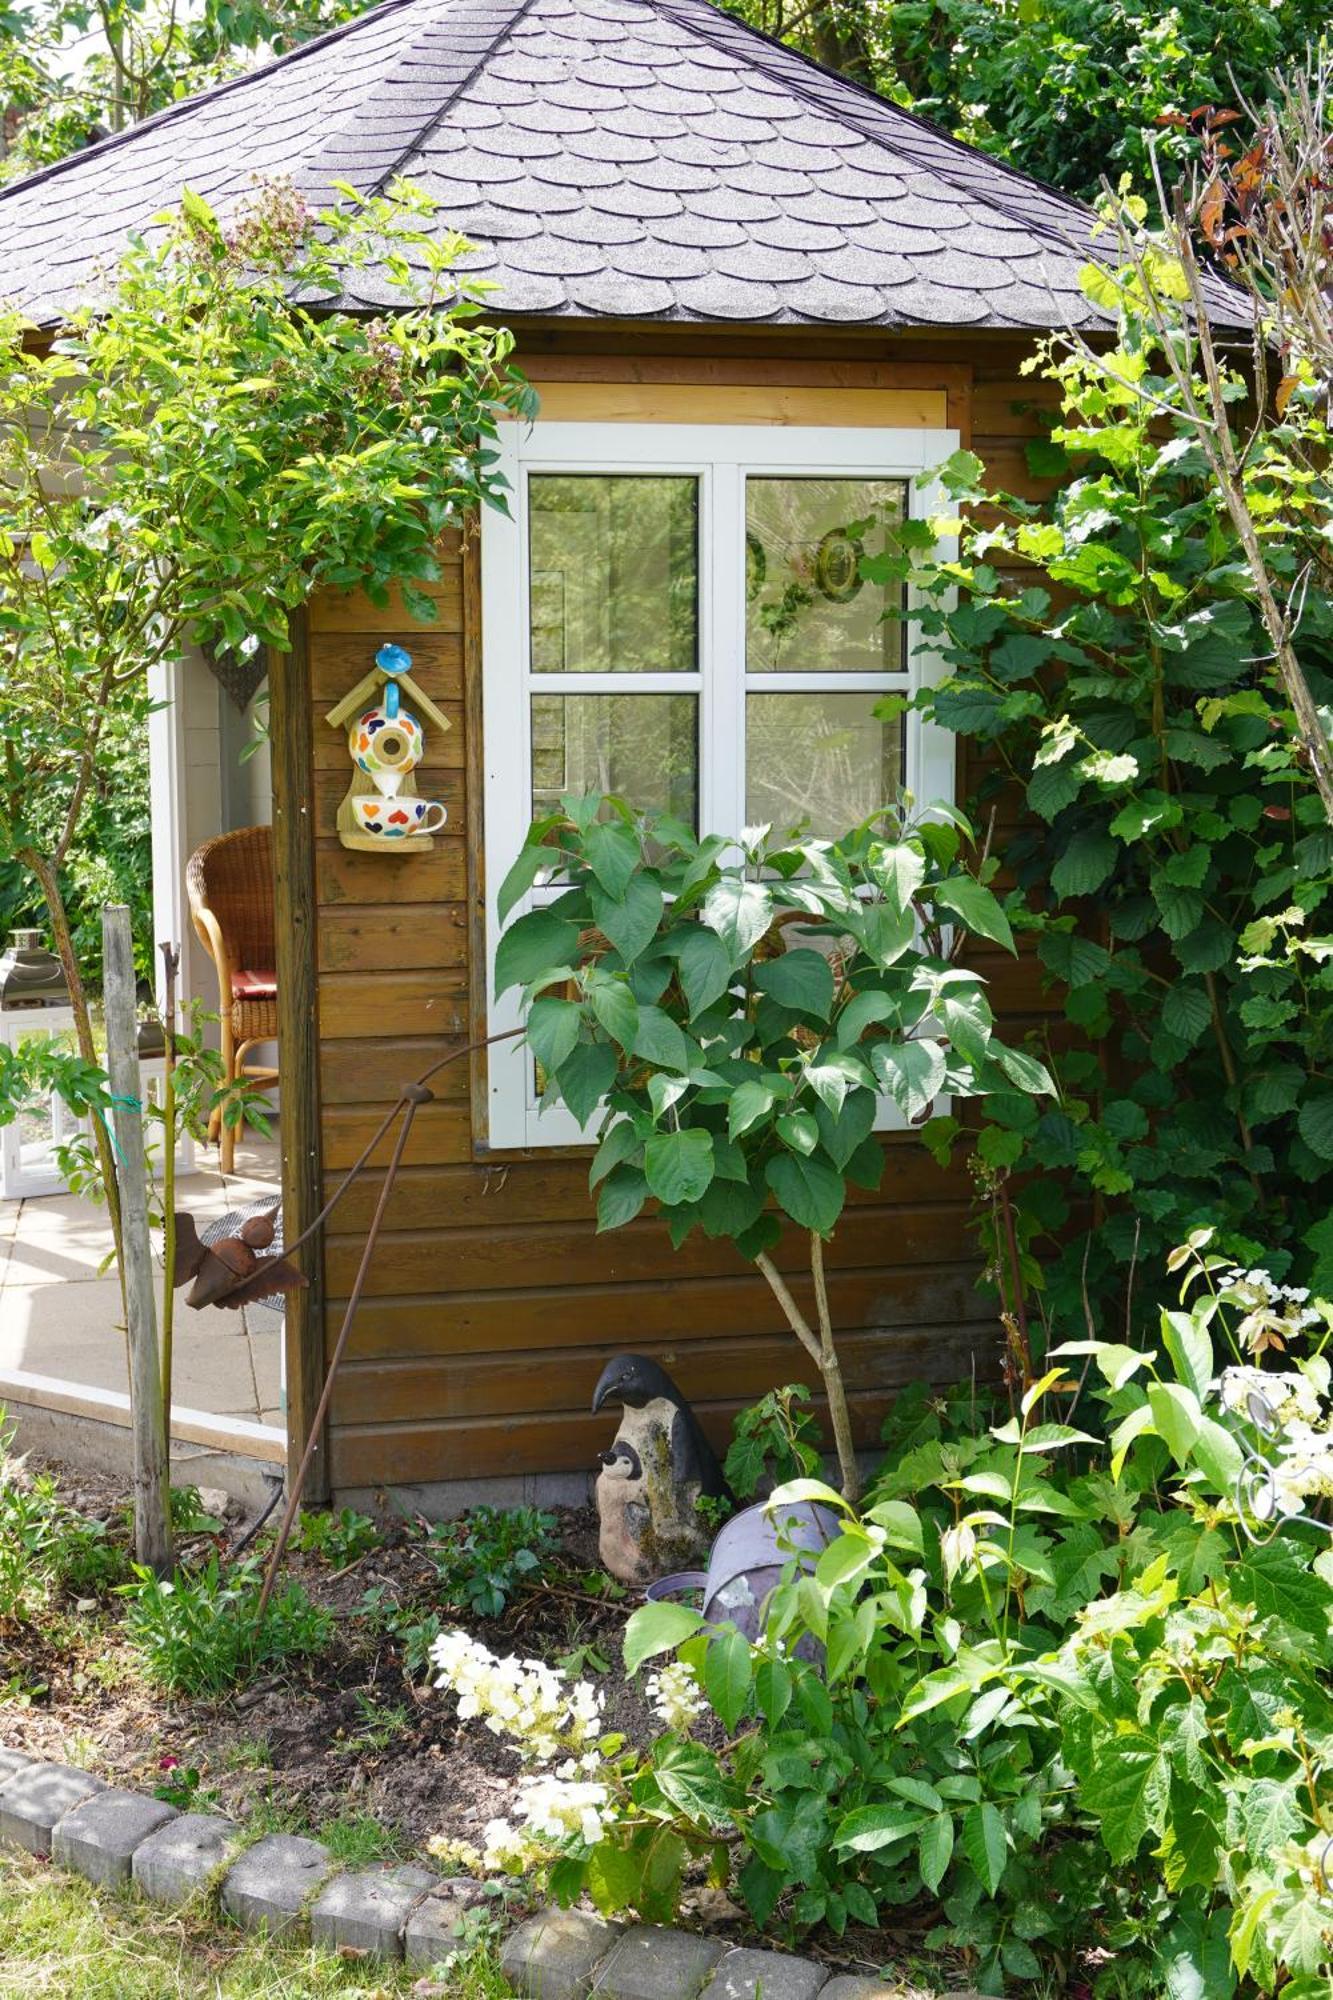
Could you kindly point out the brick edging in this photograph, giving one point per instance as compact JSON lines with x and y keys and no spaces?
{"x":292,"y":1887}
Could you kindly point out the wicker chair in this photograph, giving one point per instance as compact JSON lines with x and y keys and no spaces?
{"x":230,"y":885}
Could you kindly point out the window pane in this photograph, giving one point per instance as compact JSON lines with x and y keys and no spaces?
{"x":645,"y":747}
{"x":824,"y":758}
{"x":807,"y":609}
{"x":614,"y":573}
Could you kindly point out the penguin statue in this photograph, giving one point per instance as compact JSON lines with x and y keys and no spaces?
{"x":657,"y":1469}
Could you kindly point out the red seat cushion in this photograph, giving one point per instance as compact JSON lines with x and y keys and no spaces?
{"x":254,"y":985}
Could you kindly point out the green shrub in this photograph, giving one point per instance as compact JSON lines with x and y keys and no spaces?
{"x":199,"y":1633}
{"x":487,"y":1557}
{"x":46,"y":1549}
{"x":1072,"y":1683}
{"x":338,"y":1539}
{"x":1174,"y":867}
{"x":776,"y":1439}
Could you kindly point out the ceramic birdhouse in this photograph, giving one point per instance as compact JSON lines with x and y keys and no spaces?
{"x":386,"y":741}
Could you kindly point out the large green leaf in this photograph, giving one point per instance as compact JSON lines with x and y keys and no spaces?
{"x":621,"y":1143}
{"x":705,"y":967}
{"x":985,"y":1844}
{"x":527,"y":867}
{"x":679,"y":1165}
{"x":728,"y":1675}
{"x":810,"y":1190}
{"x":612,"y":853}
{"x":740,"y":912}
{"x":1129,"y":1790}
{"x":869,"y":1828}
{"x":658,"y":1628}
{"x":978,"y":909}
{"x":553,"y":1029}
{"x":687,"y":1774}
{"x":629,"y":920}
{"x":935,"y":1849}
{"x":585,"y":1076}
{"x":1084,"y":865}
{"x":1315,"y":1124}
{"x":531,"y":946}
{"x":912,"y":1073}
{"x":899,"y":871}
{"x":659,"y":1041}
{"x":615,"y":1008}
{"x":1186,"y":1012}
{"x":750,"y":1101}
{"x":800,"y":979}
{"x":620,"y":1197}
{"x":1278,"y":1580}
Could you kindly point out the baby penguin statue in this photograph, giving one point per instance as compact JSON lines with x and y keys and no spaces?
{"x":658,"y":1467}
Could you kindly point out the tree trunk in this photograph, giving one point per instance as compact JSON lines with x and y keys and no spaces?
{"x":48,"y":881}
{"x":823,"y":1353}
{"x":148,"y":1420}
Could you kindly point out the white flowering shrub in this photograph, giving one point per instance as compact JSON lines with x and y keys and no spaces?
{"x":601,"y":1818}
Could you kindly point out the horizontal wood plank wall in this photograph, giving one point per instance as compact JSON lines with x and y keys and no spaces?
{"x":492,"y":1304}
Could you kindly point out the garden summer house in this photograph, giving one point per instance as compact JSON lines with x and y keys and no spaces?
{"x":759,"y":305}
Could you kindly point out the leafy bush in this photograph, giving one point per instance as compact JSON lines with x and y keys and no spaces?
{"x":740,"y":1006}
{"x":1175,"y":868}
{"x":775,"y":1440}
{"x":1076,"y":1691}
{"x":486,"y":1558}
{"x":338,"y":1539}
{"x":199,"y":1633}
{"x":46,"y":1549}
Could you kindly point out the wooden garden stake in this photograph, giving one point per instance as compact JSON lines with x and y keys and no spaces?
{"x":171,"y":959}
{"x":152,"y":1519}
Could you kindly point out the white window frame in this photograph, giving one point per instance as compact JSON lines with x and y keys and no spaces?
{"x":721,"y":457}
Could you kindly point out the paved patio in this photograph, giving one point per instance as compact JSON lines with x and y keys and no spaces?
{"x":61,"y":1317}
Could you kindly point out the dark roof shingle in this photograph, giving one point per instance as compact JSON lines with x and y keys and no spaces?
{"x":608,"y":158}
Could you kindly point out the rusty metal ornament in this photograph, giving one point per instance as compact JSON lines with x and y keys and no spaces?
{"x":231,"y":1272}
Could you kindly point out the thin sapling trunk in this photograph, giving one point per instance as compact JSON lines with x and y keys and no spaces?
{"x":820,"y":1347}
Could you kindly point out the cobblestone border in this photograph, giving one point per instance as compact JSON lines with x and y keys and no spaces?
{"x":293,"y":1888}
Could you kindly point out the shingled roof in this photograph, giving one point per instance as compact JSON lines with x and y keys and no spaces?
{"x":633,"y":159}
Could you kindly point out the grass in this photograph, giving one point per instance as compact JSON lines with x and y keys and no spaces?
{"x":61,"y":1939}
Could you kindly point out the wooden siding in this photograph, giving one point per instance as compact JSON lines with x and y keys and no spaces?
{"x":492,"y":1304}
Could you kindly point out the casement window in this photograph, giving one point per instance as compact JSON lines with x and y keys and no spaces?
{"x":676,"y":614}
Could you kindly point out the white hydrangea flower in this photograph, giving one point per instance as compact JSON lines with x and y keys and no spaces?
{"x":675,"y":1696}
{"x":1288,"y":1395}
{"x":525,"y":1700}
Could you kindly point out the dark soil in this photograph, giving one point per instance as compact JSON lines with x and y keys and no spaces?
{"x":350,"y":1733}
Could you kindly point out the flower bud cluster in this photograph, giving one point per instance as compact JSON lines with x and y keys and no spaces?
{"x":676,"y":1697}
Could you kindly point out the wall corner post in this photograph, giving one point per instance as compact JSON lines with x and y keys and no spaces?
{"x":291,"y":729}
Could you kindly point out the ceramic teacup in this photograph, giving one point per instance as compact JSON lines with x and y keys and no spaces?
{"x":386,"y":747}
{"x":395,"y":818}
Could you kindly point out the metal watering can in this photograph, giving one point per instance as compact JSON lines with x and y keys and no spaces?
{"x":746,"y":1562}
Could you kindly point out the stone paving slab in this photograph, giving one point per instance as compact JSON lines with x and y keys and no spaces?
{"x":12,"y":1762}
{"x":273,"y":1881}
{"x":174,"y":1863}
{"x":431,"y":1932}
{"x":367,"y":1911}
{"x":765,"y":1975}
{"x":653,"y":1963}
{"x":555,"y":1954}
{"x":98,"y":1838}
{"x":36,"y":1797}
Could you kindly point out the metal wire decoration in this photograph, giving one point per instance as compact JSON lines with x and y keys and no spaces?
{"x":253,"y":1264}
{"x":1256,"y":1489}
